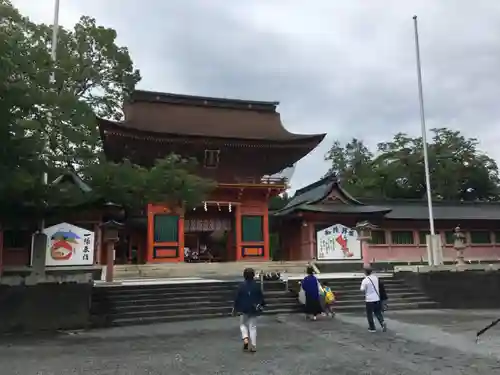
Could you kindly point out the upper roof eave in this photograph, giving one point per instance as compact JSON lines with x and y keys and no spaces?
{"x":306,"y":140}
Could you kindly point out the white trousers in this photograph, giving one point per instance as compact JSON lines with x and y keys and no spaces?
{"x":248,"y":328}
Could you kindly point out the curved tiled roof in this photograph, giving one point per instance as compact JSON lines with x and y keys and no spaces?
{"x":209,"y":117}
{"x":312,"y":198}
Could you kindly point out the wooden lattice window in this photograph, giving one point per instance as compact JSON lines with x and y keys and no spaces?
{"x":166,"y":228}
{"x":480,"y":237}
{"x":211,"y":158}
{"x":378,"y":237}
{"x":449,"y":237}
{"x":15,"y":239}
{"x":497,"y":236}
{"x":402,"y":237}
{"x":422,"y":237}
{"x":252,"y":228}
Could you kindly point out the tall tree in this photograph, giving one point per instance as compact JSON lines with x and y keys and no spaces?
{"x":352,"y":163}
{"x":459,"y":170}
{"x":50,"y":125}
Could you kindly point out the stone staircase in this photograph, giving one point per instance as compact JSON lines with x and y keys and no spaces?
{"x":144,"y":304}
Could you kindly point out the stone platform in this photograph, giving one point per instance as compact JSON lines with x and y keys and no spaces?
{"x":204,"y":270}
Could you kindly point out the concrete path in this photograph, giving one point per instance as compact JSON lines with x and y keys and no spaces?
{"x":418,"y":342}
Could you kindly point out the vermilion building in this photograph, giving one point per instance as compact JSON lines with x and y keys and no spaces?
{"x":240,"y":144}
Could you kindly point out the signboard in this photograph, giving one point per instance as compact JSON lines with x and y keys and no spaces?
{"x":206,"y":225}
{"x":69,"y":245}
{"x":338,"y":242}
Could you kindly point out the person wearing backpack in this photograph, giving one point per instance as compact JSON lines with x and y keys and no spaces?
{"x":329,"y":300}
{"x":249,"y":303}
{"x":370,"y":286}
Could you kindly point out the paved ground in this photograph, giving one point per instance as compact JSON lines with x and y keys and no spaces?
{"x":423,"y":342}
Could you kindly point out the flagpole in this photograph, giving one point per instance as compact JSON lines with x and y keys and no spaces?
{"x":424,"y":131}
{"x":53,"y":56}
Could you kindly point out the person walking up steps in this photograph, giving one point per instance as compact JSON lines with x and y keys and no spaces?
{"x":371,"y":288}
{"x":311,"y":287}
{"x":249,"y":303}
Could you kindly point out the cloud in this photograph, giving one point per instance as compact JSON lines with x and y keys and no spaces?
{"x":342,"y":67}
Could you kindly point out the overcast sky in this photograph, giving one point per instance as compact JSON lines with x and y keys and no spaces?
{"x":342,"y":67}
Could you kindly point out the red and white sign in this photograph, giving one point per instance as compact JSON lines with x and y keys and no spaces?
{"x":69,"y":245}
{"x":338,"y":242}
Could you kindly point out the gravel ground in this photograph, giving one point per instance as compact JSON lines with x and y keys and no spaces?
{"x":422,"y":342}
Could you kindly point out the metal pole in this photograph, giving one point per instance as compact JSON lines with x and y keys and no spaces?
{"x":53,"y":56}
{"x":424,"y":131}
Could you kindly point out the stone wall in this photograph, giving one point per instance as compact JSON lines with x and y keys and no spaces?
{"x":45,"y":306}
{"x":458,"y":289}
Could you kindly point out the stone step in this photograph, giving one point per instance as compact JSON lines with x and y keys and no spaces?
{"x":169,"y":293}
{"x":204,"y":286}
{"x":156,"y":300}
{"x":173,"y":308}
{"x":297,"y":309}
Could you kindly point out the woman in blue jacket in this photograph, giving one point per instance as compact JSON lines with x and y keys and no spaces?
{"x":310,"y":285}
{"x":248,"y":303}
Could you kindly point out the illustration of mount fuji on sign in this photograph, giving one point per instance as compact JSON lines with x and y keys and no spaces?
{"x":69,"y":245}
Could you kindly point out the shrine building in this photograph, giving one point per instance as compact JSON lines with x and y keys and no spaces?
{"x":240,"y":144}
{"x":402,"y":226}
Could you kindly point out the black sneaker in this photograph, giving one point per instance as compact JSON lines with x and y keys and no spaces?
{"x":384,"y":327}
{"x":245,"y":345}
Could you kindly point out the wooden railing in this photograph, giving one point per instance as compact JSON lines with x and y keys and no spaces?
{"x":267,"y":180}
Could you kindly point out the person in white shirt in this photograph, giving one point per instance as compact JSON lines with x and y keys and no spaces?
{"x":371,"y":288}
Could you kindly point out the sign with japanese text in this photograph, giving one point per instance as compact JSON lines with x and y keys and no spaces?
{"x":338,"y":242}
{"x":207,"y":225}
{"x":69,"y":245}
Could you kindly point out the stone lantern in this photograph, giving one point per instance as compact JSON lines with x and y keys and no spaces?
{"x":364,"y":229}
{"x":459,"y":245}
{"x":110,"y":234}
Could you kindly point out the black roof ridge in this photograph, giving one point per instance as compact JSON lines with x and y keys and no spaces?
{"x":424,"y":201}
{"x":327,"y":179}
{"x":165,"y":97}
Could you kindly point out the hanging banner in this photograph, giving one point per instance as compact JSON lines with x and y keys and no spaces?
{"x":338,"y":242}
{"x":69,"y":245}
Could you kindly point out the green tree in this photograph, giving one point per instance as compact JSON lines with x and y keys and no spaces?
{"x":459,"y":170}
{"x":51,"y":126}
{"x":352,"y":163}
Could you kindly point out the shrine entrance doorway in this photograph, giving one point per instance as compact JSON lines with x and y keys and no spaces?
{"x":209,"y":236}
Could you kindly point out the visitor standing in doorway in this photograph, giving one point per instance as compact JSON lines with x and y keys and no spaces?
{"x":370,"y":286}
{"x":311,"y":287}
{"x":249,"y":303}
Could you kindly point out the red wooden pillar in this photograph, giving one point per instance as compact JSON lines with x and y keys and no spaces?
{"x":265,"y":221}
{"x":1,"y":251}
{"x":181,"y":237}
{"x":150,"y":240}
{"x":237,"y":218}
{"x":310,"y":237}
